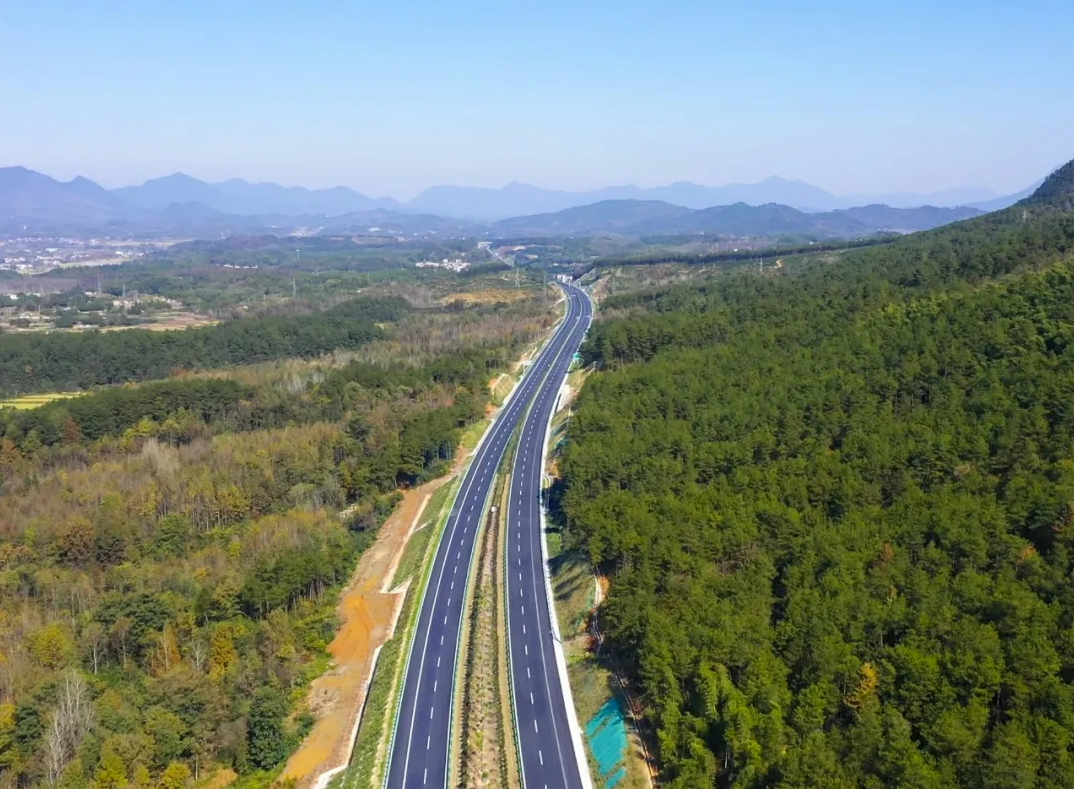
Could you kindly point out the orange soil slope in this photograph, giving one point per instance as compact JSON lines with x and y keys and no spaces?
{"x":367,"y":613}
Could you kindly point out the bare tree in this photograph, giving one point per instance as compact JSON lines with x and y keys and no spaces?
{"x":198,"y":653}
{"x":71,"y":721}
{"x":55,"y":752}
{"x":95,"y":640}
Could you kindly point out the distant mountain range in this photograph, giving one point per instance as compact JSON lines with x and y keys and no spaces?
{"x":180,"y":204}
{"x":237,"y":196}
{"x":522,"y":199}
{"x":655,"y":217}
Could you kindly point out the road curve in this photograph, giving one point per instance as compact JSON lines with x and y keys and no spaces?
{"x":420,"y":749}
{"x":550,"y":759}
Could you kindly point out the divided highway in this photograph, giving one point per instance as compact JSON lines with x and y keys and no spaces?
{"x":550,"y":759}
{"x":420,"y":749}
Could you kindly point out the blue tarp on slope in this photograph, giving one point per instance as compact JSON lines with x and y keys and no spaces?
{"x":607,"y":735}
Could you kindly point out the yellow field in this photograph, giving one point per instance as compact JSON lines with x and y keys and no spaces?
{"x":490,"y":296}
{"x":36,"y":400}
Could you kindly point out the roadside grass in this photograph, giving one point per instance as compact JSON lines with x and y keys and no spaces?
{"x":414,"y":554}
{"x":575,"y":380}
{"x":591,"y":686}
{"x":502,"y":388}
{"x":472,"y":435}
{"x":573,"y":589}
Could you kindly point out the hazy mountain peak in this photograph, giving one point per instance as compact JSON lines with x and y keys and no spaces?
{"x":176,"y":178}
{"x":1056,"y":191}
{"x":241,"y":197}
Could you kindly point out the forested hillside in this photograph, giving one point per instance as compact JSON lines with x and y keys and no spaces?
{"x":80,"y":360}
{"x":837,"y":509}
{"x":170,"y":552}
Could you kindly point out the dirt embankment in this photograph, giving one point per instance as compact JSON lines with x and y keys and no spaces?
{"x":367,"y":611}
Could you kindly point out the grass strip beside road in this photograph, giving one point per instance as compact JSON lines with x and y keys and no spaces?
{"x":471,"y":437}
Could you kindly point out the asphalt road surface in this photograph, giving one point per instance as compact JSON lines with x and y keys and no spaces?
{"x":420,"y":743}
{"x":549,"y":760}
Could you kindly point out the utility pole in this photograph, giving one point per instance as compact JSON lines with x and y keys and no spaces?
{"x":294,"y":288}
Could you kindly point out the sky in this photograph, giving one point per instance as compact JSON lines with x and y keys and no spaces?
{"x":390,"y":98}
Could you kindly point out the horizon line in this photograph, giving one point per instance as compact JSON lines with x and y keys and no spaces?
{"x":629,"y":185}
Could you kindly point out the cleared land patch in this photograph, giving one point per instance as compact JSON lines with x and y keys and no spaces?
{"x":27,"y":402}
{"x":489,"y":296}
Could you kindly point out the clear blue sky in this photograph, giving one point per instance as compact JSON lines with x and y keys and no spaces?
{"x":391,"y":97}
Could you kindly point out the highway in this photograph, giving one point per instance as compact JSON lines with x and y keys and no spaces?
{"x":548,"y":752}
{"x":420,"y":748}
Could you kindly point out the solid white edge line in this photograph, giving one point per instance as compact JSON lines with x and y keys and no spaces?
{"x":557,"y":641}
